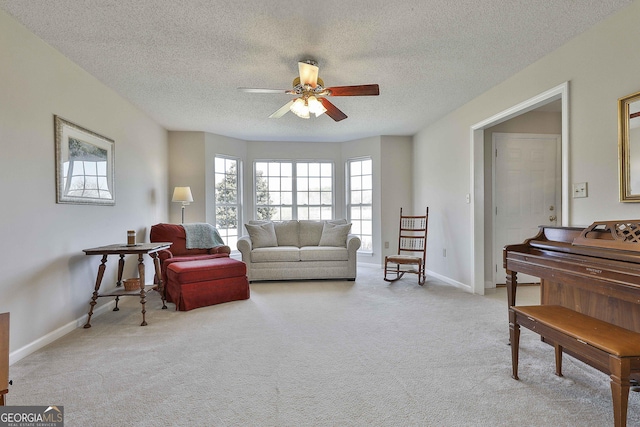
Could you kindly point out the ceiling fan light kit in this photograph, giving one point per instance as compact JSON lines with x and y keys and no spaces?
{"x":312,"y":94}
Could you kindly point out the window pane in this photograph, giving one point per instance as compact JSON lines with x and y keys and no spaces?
{"x":326,"y":212}
{"x":314,"y":198}
{"x":314,"y":184}
{"x":303,"y":183}
{"x":356,"y":183}
{"x":287,"y":198}
{"x":367,"y":182}
{"x":367,"y":167}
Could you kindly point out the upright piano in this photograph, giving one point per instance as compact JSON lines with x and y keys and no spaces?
{"x":593,"y":270}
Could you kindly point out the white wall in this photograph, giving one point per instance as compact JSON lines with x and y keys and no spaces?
{"x":187,"y":168}
{"x":601,"y":66}
{"x":47,"y":281}
{"x":396,"y":188}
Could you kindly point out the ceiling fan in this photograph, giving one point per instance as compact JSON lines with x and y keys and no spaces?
{"x":311,"y":94}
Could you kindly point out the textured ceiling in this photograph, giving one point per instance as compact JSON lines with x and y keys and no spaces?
{"x":182,"y":61}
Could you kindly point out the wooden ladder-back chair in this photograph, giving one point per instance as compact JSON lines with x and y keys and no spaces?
{"x":412,"y":249}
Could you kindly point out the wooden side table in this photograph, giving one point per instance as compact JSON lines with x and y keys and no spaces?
{"x":139,"y":249}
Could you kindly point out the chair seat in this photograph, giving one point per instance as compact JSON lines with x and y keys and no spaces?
{"x":404,"y":259}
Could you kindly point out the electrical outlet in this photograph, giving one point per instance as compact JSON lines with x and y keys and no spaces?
{"x":580,"y":190}
{"x":386,"y":245}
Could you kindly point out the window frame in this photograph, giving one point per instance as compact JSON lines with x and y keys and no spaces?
{"x":239,"y":198}
{"x":358,"y":229}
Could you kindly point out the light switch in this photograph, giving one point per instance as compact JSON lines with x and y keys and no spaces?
{"x":579,"y":190}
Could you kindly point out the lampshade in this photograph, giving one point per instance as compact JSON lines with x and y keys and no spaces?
{"x":316,"y":106}
{"x":300,"y":108}
{"x":182,"y":194}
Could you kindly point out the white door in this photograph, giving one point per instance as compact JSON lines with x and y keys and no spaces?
{"x":526,"y":191}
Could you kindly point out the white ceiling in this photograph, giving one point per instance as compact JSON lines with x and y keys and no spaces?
{"x":182,"y":61}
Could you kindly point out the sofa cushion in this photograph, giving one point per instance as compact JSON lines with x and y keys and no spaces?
{"x":334,"y":235}
{"x":262,"y":235}
{"x":310,"y":232}
{"x":323,"y":253}
{"x":277,"y":254}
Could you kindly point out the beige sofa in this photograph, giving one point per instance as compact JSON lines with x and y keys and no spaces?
{"x":295,"y":250}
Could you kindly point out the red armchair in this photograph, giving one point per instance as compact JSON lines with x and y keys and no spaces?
{"x":178,"y":251}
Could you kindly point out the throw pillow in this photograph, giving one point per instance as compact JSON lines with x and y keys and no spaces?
{"x":262,"y":235}
{"x":287,"y":233}
{"x":311,"y":231}
{"x":334,"y":235}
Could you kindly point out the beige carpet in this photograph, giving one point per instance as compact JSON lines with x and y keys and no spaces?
{"x":318,"y":353}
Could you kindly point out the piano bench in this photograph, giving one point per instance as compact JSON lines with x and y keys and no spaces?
{"x":605,"y":346}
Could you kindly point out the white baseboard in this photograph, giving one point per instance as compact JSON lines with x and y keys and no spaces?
{"x":58,"y":333}
{"x":449,"y":281}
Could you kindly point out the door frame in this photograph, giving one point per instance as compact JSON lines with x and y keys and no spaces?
{"x":560,"y":92}
{"x":557,"y":138}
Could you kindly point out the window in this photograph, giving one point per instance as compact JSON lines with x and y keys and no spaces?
{"x":314,"y":190}
{"x":287,"y":190}
{"x":228,"y":205}
{"x":359,"y":200}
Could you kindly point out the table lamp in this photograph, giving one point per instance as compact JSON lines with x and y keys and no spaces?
{"x":182,"y":195}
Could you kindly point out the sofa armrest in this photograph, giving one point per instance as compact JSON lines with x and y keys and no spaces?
{"x":222,"y":249}
{"x":164,"y":255}
{"x":353,"y":243}
{"x":244,"y":246}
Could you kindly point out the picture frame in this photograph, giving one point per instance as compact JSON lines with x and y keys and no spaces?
{"x":85,"y":170}
{"x":629,"y":147}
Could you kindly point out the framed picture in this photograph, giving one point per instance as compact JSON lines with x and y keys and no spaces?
{"x":84,"y":165}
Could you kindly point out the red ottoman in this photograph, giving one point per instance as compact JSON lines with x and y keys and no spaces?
{"x":193,"y":284}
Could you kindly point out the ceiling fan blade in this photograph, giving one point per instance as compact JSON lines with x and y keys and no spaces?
{"x":282,"y":110}
{"x":361,"y":90}
{"x":332,"y":110}
{"x":308,"y":74}
{"x":258,"y":90}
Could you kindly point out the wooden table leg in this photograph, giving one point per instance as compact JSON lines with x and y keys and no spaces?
{"x":143,"y":294}
{"x":94,"y":298}
{"x":156,"y":263}
{"x":120,"y":270}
